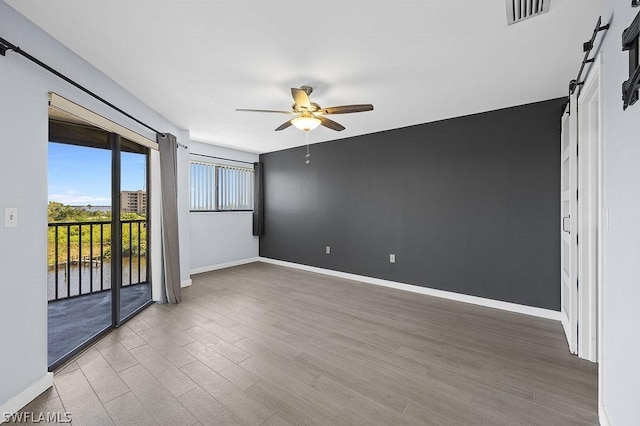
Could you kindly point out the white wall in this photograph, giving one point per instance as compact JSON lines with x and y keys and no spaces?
{"x":23,"y":273}
{"x":23,"y":184}
{"x":220,"y":238}
{"x":619,"y":366}
{"x":183,"y":205}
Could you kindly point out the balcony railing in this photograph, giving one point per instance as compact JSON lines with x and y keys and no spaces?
{"x":80,"y":257}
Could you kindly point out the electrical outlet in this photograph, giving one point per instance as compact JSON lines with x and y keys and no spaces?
{"x":392,"y":258}
{"x":10,"y":217}
{"x":327,"y":250}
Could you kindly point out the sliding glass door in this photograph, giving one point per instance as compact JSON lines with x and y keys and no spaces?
{"x":79,"y":246}
{"x":98,"y":239}
{"x":135,"y":291}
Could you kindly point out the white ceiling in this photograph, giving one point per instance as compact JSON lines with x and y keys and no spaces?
{"x":416,"y":61}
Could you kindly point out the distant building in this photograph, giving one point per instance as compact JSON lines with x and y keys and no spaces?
{"x":133,"y":202}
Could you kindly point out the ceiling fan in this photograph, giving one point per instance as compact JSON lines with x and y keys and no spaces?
{"x":311,"y":115}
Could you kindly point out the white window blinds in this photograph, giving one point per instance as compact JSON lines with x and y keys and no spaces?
{"x":216,"y":187}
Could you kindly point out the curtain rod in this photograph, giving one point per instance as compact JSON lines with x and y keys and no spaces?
{"x":222,"y":158}
{"x":5,"y":45}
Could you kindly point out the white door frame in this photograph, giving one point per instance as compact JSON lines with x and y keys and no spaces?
{"x":569,"y":223}
{"x":590,"y":212}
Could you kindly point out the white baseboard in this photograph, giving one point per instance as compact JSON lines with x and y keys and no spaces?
{"x":26,"y":396}
{"x":186,"y":283}
{"x":490,"y":303}
{"x":223,"y":265}
{"x":603,"y":417}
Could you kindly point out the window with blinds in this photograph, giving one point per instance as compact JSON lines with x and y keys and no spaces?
{"x":216,"y":187}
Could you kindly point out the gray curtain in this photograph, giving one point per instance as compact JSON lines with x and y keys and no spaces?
{"x":171,"y":289}
{"x":258,"y":199}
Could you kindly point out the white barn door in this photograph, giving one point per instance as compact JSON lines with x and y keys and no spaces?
{"x":589,"y":207}
{"x":569,"y":223}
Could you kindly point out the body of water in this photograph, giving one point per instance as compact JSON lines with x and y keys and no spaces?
{"x":133,"y":272}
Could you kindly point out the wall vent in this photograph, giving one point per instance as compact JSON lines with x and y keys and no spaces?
{"x":519,"y":10}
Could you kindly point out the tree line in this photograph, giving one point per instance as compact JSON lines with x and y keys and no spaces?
{"x":95,"y":240}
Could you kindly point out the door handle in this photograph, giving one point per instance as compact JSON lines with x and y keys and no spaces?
{"x":564,"y":229}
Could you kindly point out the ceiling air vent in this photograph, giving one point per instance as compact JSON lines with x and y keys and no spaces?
{"x":519,"y":10}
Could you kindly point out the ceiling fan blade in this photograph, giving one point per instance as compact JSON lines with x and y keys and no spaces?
{"x":331,"y":124}
{"x":284,"y":125}
{"x":346,"y":109}
{"x":301,"y":98}
{"x":265,"y":110}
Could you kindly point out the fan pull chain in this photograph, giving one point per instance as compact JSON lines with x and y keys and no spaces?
{"x":308,"y":156}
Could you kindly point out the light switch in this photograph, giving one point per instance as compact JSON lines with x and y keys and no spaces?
{"x":10,"y":217}
{"x":392,"y":258}
{"x":327,"y":250}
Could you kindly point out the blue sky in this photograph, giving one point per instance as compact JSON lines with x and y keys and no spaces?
{"x":79,"y":175}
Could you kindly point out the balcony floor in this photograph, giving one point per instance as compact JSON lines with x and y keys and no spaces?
{"x":71,"y":322}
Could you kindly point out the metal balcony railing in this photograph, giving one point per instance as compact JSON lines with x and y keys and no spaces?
{"x":79,"y":257}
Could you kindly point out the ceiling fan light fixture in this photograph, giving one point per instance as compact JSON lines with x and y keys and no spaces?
{"x":310,"y":115}
{"x":306,"y":123}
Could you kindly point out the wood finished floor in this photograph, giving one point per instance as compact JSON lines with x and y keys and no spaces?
{"x":263,"y":344}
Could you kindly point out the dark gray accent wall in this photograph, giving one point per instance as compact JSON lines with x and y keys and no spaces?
{"x":468,"y":205}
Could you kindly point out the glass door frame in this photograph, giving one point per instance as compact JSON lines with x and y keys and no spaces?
{"x":116,"y":223}
{"x":115,"y":145}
